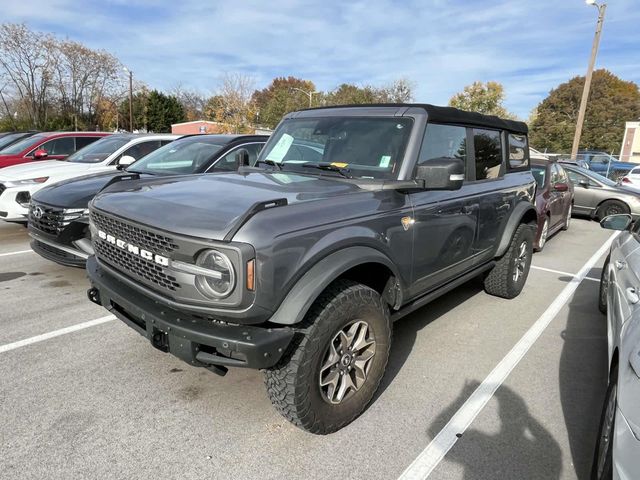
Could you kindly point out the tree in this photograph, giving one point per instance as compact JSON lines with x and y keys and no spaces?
{"x":612,"y":101}
{"x":162,"y":111}
{"x":482,"y":97}
{"x":139,"y":111}
{"x":235,"y":101}
{"x":399,"y":91}
{"x":280,"y":98}
{"x":192,"y":101}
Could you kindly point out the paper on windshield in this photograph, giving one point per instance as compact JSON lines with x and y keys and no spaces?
{"x":281,"y":148}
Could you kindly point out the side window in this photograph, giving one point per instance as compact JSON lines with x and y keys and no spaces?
{"x":601,"y":159}
{"x":228,"y":162}
{"x":518,"y":151}
{"x":443,"y":141}
{"x":488,"y":151}
{"x":82,"y":142}
{"x":576,"y":178}
{"x":555,"y":174}
{"x":141,"y":149}
{"x":59,"y":146}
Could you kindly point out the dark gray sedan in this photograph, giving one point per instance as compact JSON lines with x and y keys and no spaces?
{"x":598,"y":197}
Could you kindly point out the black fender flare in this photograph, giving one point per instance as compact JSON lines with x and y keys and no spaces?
{"x":296,"y":304}
{"x":515,"y":219}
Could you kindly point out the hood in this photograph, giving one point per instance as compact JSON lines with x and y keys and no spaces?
{"x":45,"y":168}
{"x":75,"y":192}
{"x":209,"y":206}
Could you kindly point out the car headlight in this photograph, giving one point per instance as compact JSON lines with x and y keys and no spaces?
{"x":216,"y":277}
{"x":30,"y":181}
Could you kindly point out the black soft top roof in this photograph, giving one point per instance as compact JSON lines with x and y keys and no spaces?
{"x":447,"y":115}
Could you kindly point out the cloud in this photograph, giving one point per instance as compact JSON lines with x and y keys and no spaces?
{"x":441,"y":45}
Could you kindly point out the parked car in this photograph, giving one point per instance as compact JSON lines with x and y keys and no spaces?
{"x":47,"y":146}
{"x":58,"y":220}
{"x":604,"y":164}
{"x":355,"y":217}
{"x":9,"y":138}
{"x":19,"y":182}
{"x":617,"y":452}
{"x":632,"y":178}
{"x":598,"y":197}
{"x":554,"y":199}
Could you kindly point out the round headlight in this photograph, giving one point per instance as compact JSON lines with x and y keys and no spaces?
{"x":221,"y":281}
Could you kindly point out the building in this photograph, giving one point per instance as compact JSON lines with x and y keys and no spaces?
{"x":198,"y":126}
{"x":630,"y":151}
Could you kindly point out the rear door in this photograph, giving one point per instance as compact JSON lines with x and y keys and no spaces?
{"x":556,"y":198}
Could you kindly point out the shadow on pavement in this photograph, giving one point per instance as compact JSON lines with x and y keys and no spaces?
{"x":583,"y":373}
{"x":522,"y":448}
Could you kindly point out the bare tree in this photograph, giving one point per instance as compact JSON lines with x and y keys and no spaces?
{"x":192,"y":101}
{"x":236,"y":92}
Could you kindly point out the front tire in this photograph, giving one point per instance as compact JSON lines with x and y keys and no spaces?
{"x":507,"y":278}
{"x":331,"y":375}
{"x":611,"y":207}
{"x":602,"y":468}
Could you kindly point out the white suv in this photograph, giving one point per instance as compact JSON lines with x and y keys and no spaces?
{"x":19,"y":182}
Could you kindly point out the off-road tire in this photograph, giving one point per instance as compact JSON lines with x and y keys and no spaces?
{"x":500,"y":280}
{"x":604,"y":286}
{"x":607,"y":473}
{"x":293,"y":384}
{"x":611,"y":207}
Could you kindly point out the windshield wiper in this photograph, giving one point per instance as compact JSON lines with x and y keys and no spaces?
{"x":345,"y":172}
{"x":271,"y":163}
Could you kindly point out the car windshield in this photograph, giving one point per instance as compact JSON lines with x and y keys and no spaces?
{"x":10,"y":138}
{"x":363,"y":147}
{"x":539,"y":172}
{"x":97,"y":151}
{"x":184,"y":156}
{"x":23,"y":144}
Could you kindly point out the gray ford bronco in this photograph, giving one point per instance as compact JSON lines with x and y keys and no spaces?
{"x":351,"y":218}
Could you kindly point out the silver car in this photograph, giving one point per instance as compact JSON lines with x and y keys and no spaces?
{"x":617,"y":453}
{"x":598,"y":197}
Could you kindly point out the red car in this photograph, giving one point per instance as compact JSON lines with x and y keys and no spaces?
{"x":47,"y":146}
{"x":554,"y":199}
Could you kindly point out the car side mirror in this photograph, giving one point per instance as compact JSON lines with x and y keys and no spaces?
{"x":40,"y":154}
{"x":583,"y":184}
{"x":561,"y":187}
{"x":441,"y":174}
{"x":242,"y":158}
{"x":125,"y":161}
{"x":616,"y":222}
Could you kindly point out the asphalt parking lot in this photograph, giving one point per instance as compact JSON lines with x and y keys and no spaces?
{"x":100,"y":402}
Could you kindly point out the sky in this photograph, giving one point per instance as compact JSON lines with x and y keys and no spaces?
{"x":440,"y":45}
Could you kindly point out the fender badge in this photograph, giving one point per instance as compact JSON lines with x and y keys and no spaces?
{"x":407,"y":222}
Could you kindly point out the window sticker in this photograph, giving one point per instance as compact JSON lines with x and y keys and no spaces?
{"x":340,"y":164}
{"x":385,"y":160}
{"x":281,"y":148}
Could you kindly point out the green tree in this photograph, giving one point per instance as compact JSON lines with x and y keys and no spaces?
{"x":282,"y":96}
{"x":482,"y":97}
{"x":612,"y":101}
{"x":349,"y":94}
{"x":139,"y":112}
{"x":162,"y":111}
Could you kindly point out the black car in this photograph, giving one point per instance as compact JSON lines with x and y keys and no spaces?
{"x":60,"y":232}
{"x":9,"y":138}
{"x":355,"y":217}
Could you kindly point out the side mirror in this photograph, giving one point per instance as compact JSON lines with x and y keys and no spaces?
{"x":40,"y":154}
{"x":583,"y":184}
{"x":441,"y":174}
{"x":125,"y":161}
{"x":561,"y":187}
{"x":242,"y":158}
{"x":616,"y":222}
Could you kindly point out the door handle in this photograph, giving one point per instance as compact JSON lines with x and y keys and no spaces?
{"x":620,"y":264}
{"x":632,"y":295}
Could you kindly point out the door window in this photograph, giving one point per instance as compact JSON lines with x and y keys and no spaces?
{"x":488,"y":152}
{"x":443,"y":141}
{"x":141,"y":149}
{"x":576,"y":178}
{"x":82,"y":142}
{"x":59,"y":146}
{"x":228,"y":162}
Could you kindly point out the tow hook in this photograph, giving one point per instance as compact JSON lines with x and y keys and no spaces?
{"x":94,"y":295}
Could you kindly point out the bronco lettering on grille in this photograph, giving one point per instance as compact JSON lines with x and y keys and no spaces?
{"x":135,"y":250}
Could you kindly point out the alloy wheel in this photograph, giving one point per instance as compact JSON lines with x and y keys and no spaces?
{"x":606,"y":434}
{"x":544,"y":234}
{"x":346,"y":362}
{"x":520,"y":262}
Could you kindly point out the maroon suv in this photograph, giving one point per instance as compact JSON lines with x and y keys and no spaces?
{"x":47,"y":146}
{"x":554,"y":199}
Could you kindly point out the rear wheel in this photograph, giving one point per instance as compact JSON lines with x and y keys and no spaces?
{"x":611,"y":207}
{"x":508,"y":276}
{"x":331,"y":375}
{"x":602,"y":468}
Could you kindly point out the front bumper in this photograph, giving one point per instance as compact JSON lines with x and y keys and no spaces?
{"x":197,"y":340}
{"x":626,"y":450}
{"x":10,"y":209}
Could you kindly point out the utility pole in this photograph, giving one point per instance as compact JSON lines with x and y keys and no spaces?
{"x":130,"y":98}
{"x":308,"y":94}
{"x":587,"y":81}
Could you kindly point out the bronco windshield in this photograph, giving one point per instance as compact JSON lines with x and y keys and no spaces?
{"x":98,"y":151}
{"x":362,"y":146}
{"x":189,"y":155}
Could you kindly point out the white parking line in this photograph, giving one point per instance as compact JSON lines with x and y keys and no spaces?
{"x":560,"y":272}
{"x":56,"y":333}
{"x":15,"y":253}
{"x":431,"y":456}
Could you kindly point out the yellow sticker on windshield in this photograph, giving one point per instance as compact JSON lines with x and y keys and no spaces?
{"x":339,"y":164}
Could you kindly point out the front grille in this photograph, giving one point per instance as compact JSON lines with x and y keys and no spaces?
{"x":47,"y":219}
{"x":2,"y":188}
{"x":135,"y":235}
{"x":128,"y":262}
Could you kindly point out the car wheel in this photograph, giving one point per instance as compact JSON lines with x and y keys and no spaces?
{"x":567,"y":220}
{"x":507,"y":278}
{"x":602,"y":468}
{"x":604,"y":287}
{"x":611,"y":207}
{"x":330,"y":376}
{"x":544,"y":233}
